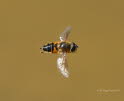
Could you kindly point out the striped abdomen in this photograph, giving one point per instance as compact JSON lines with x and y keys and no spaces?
{"x":50,"y":47}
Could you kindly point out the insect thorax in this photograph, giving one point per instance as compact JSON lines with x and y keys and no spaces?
{"x":65,"y":47}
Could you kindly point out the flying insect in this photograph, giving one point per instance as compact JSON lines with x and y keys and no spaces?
{"x":61,"y":47}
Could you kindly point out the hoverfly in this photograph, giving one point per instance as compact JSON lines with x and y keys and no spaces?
{"x":61,"y":47}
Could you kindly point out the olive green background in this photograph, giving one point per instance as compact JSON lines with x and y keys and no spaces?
{"x":98,"y":29}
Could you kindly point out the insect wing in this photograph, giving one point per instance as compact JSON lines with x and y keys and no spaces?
{"x":62,"y":65}
{"x":64,"y":35}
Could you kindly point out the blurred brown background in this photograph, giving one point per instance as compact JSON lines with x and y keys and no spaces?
{"x":98,"y":29}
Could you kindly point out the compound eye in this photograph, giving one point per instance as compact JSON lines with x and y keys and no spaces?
{"x":73,"y":47}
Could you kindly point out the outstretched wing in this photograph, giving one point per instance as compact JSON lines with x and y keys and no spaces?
{"x":64,"y":35}
{"x":62,"y":65}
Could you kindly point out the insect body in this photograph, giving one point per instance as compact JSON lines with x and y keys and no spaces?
{"x":58,"y":47}
{"x":61,"y":47}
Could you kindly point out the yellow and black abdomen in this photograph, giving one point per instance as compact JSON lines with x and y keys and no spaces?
{"x":50,"y":47}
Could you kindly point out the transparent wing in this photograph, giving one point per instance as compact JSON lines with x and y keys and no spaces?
{"x":64,"y":35}
{"x":62,"y":65}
